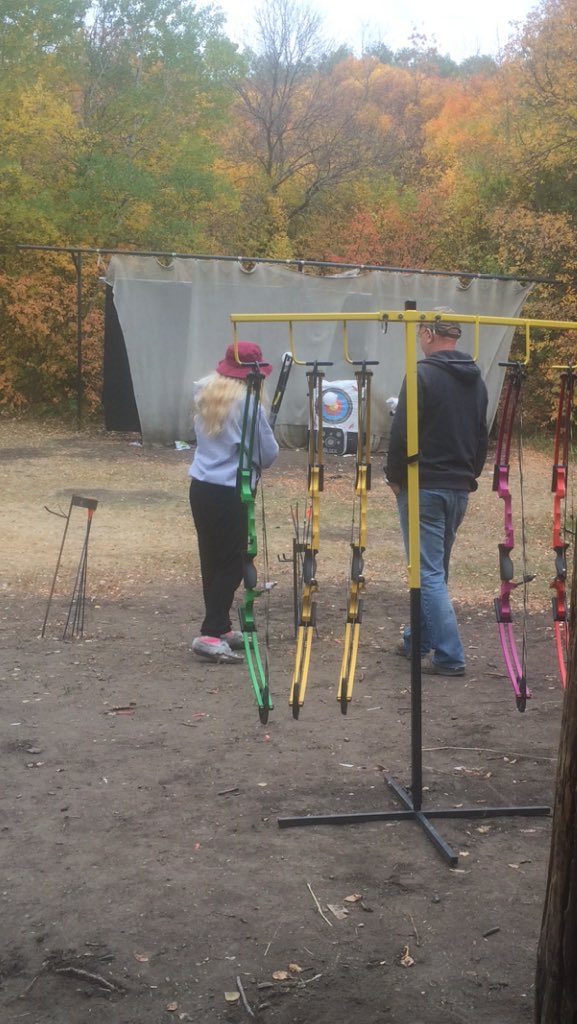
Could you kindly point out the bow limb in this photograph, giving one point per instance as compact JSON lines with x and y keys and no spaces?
{"x":358,"y":544}
{"x":514,"y":663}
{"x":258,"y":669}
{"x":559,"y":545}
{"x":281,"y":385}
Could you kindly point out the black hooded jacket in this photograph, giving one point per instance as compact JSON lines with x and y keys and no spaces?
{"x":452,"y":399}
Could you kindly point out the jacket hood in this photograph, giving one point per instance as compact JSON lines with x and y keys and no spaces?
{"x":459,"y":364}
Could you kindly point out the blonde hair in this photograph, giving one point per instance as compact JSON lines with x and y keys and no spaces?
{"x":215,"y":399}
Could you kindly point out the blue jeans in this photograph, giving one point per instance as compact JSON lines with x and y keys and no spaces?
{"x":441,"y":513}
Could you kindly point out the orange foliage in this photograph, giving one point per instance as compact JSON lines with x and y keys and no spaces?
{"x":38,"y":341}
{"x":393,"y":234}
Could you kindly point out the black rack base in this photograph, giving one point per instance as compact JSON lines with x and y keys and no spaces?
{"x":421,"y":816}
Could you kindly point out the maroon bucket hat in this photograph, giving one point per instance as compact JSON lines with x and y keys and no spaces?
{"x":249,"y":355}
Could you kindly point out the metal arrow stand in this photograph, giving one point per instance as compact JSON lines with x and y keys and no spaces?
{"x":74,"y":625}
{"x":412,"y":797}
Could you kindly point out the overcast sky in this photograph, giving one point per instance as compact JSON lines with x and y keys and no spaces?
{"x":457,"y":27}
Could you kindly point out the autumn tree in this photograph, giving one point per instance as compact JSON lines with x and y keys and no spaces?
{"x":154,"y":91}
{"x":301,"y":127}
{"x":543,"y":78}
{"x":38,"y":343}
{"x":108,"y":137}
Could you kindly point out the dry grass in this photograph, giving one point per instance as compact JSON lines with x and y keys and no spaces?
{"x":142,"y":530}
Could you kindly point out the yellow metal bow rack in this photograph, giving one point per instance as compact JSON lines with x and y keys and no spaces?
{"x":410,"y":318}
{"x":410,"y":797}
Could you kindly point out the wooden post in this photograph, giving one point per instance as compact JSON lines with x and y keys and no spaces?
{"x":556,"y":978}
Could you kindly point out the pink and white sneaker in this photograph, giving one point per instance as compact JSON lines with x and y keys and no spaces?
{"x":212,"y":648}
{"x":234,"y":639}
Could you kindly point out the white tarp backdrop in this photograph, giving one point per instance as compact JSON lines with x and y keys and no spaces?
{"x":176,"y":325}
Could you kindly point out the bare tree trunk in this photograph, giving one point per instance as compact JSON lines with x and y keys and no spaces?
{"x":556,"y":978}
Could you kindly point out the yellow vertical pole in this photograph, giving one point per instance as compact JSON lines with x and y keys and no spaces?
{"x":414,"y":558}
{"x":412,"y":454}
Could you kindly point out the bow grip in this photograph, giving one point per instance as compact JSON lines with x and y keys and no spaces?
{"x":309,"y":567}
{"x":506,"y":568}
{"x":249,"y":573}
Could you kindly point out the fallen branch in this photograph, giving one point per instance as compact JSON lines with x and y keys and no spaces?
{"x":489,"y":750}
{"x":307,"y":981}
{"x":415,"y":932}
{"x":319,"y":908}
{"x":36,"y":976}
{"x":243,"y":997}
{"x":94,"y":979}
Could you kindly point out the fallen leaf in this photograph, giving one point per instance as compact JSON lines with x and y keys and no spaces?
{"x":141,"y":957}
{"x":339,"y":912}
{"x":354,"y":898}
{"x":280,"y":975}
{"x":232,"y":997}
{"x":295,"y":969}
{"x":406,"y":958}
{"x":171,"y":1007}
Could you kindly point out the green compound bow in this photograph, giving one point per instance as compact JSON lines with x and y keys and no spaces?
{"x":257,"y":665}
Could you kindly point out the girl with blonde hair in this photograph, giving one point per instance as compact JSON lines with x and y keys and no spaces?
{"x":218,"y":513}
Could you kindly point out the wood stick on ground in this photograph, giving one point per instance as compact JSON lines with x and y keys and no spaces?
{"x":319,"y":908}
{"x":30,"y":985}
{"x":489,"y":750}
{"x":243,"y":997}
{"x":94,"y":979}
{"x":417,"y":939}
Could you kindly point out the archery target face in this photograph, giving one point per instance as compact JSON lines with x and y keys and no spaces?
{"x":340,"y":404}
{"x":337,"y":406}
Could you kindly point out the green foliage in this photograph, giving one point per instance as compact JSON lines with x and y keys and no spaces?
{"x":109,"y":136}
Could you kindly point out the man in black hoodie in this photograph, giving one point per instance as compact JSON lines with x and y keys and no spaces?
{"x":452,"y":404}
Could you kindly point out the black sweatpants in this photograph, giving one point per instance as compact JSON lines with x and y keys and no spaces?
{"x":221,"y":525}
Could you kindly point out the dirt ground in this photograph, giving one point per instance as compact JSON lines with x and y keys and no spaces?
{"x":144,"y":875}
